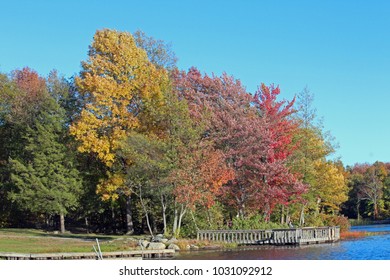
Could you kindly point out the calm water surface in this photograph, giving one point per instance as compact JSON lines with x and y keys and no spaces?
{"x":369,"y":248}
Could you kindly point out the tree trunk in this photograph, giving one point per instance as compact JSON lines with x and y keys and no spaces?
{"x":129,"y":216}
{"x":178,"y":215}
{"x":181,"y":215}
{"x":209,"y":218}
{"x":288,"y":219}
{"x":193,"y":219}
{"x":148,"y":224}
{"x":145,"y":211}
{"x":62,"y":222}
{"x":86,"y":224}
{"x":302,"y":216}
{"x":358,"y":210}
{"x":113,"y":219}
{"x":375,"y":210}
{"x":164,"y":208}
{"x":175,"y":220}
{"x":282,"y":215}
{"x":154,"y":224}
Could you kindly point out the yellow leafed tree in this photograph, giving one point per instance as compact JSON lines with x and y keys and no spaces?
{"x":329,"y":186}
{"x":122,"y":90}
{"x":118,"y":84}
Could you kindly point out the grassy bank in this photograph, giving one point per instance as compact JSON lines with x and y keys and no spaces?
{"x":37,"y":241}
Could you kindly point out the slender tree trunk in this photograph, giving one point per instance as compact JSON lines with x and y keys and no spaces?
{"x":287,"y":215}
{"x":148,"y":224}
{"x":113,"y":218}
{"x":267,"y":213}
{"x":302,"y":216}
{"x":181,"y":215}
{"x":86,"y":224}
{"x":62,"y":222}
{"x":358,"y":210}
{"x":145,"y":211}
{"x":208,"y":218}
{"x":129,"y":216}
{"x":193,"y":219}
{"x":164,"y":208}
{"x":282,"y":215}
{"x":47,"y":221}
{"x":175,"y":219}
{"x":154,"y":224}
{"x":178,"y":215}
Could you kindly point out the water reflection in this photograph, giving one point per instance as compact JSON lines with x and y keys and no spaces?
{"x":370,"y":248}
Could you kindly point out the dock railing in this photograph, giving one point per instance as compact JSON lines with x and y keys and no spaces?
{"x":298,"y":236}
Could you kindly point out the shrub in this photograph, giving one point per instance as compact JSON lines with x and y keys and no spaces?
{"x":331,"y":220}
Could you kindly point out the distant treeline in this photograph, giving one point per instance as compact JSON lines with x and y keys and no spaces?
{"x":135,"y":145}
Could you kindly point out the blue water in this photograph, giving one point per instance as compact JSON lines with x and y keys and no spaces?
{"x":368,"y":248}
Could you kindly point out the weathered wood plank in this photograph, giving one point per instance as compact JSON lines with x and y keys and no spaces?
{"x":65,"y":256}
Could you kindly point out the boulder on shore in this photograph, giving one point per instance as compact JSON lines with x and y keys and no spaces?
{"x":174,"y":247}
{"x":156,"y":246}
{"x":172,"y":240}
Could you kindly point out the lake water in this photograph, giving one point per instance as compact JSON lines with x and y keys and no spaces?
{"x":369,"y":248}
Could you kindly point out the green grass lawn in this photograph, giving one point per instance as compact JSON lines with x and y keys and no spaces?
{"x":37,"y":241}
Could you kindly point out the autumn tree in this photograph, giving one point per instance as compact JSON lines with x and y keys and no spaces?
{"x":282,"y":185}
{"x":372,"y":190}
{"x":122,"y":89}
{"x":198,"y":179}
{"x":27,"y":103}
{"x":246,"y":138}
{"x":328,"y":187}
{"x":277,"y":115}
{"x":368,"y":189}
{"x":325,"y":180}
{"x":159,"y":52}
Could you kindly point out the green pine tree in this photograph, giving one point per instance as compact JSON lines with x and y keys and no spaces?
{"x":46,"y":180}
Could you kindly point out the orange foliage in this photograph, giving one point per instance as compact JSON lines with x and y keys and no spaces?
{"x":352,"y":234}
{"x":200,"y":177}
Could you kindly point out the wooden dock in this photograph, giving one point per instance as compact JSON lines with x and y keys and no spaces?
{"x":136,"y":254}
{"x":293,"y":236}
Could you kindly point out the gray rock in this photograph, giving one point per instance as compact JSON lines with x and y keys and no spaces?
{"x":174,"y":247}
{"x":158,"y":238}
{"x":172,"y":240}
{"x":164,"y":240}
{"x":194,"y":247}
{"x":156,"y":246}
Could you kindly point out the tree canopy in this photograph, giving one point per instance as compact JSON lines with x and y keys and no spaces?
{"x":133,"y":144}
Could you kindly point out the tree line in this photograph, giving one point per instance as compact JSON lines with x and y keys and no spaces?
{"x":134,"y":145}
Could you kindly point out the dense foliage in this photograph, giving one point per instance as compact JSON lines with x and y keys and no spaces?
{"x":133,"y":144}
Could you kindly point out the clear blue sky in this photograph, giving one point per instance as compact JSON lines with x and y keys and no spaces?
{"x":339,"y":49}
